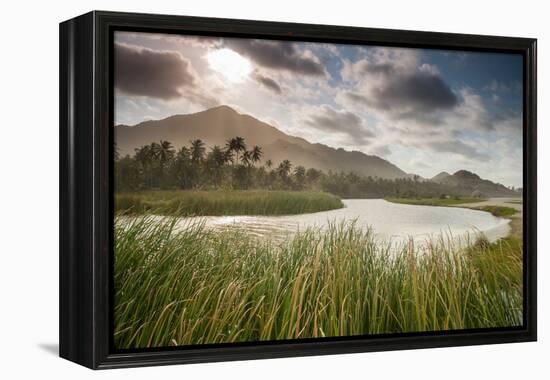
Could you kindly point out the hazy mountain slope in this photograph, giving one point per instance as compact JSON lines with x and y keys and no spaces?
{"x":216,"y":125}
{"x":470,"y":183}
{"x":441,"y":177}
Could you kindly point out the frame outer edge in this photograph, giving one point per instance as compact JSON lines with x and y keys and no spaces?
{"x":76,"y":307}
{"x":84,"y":169}
{"x":66,"y":326}
{"x":531,"y":267}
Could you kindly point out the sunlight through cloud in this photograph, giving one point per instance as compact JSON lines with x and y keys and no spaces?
{"x":232,"y":66}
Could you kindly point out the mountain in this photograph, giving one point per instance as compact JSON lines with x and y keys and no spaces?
{"x":216,"y":125}
{"x":440,"y":177}
{"x":468,"y":183}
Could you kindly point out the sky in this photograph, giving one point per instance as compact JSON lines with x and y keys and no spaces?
{"x":424,"y":110}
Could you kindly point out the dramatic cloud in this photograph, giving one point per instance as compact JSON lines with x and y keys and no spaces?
{"x":420,"y":90}
{"x":268,"y":83}
{"x":156,"y":74}
{"x":474,"y":114}
{"x":405,"y":92}
{"x":457,"y":147}
{"x":423,"y":110}
{"x":396,"y":84}
{"x":327,"y":119}
{"x":278,"y":55}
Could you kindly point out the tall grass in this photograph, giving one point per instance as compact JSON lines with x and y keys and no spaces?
{"x":500,"y":211}
{"x":218,"y":202}
{"x":435,"y":201}
{"x":196,"y":286}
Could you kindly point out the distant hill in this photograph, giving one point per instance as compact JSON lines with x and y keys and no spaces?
{"x":440,"y":177}
{"x":468,"y":183}
{"x":216,"y":125}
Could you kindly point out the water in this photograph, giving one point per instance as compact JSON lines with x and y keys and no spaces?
{"x":390,"y":221}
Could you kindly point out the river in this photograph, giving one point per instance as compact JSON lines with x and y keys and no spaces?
{"x":390,"y":221}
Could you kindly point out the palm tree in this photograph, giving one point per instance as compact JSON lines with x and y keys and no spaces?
{"x":217,"y":156}
{"x":246,"y":158}
{"x":300,"y":176}
{"x":155,"y":150}
{"x":284,"y":169}
{"x":268,"y":163}
{"x":165,"y":152}
{"x":313,"y":175}
{"x":182,"y":168}
{"x":215,"y":160}
{"x":144,"y":155}
{"x":227,"y":155}
{"x":300,"y":171}
{"x":237,"y":145}
{"x":256,"y":154}
{"x":183,"y":154}
{"x":197,"y":150}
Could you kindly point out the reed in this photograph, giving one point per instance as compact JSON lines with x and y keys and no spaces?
{"x":435,"y":201}
{"x":500,"y":211}
{"x":196,"y":286}
{"x":219,"y":202}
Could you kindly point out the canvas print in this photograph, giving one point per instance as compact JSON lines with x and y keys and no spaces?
{"x":269,"y":190}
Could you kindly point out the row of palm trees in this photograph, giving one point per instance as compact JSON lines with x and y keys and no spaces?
{"x":160,"y":165}
{"x":235,"y":152}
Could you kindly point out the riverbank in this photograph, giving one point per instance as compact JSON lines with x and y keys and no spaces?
{"x":219,"y":202}
{"x":215,"y":287}
{"x":507,"y":208}
{"x":503,"y":205}
{"x":445,"y":202}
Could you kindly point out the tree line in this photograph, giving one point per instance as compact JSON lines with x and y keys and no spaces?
{"x":161,"y":166}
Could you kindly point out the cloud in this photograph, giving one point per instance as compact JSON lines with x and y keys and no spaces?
{"x":380,"y":150}
{"x":380,"y":61}
{"x":278,"y":55}
{"x":204,"y":99}
{"x":457,"y":147}
{"x":267,"y":82}
{"x":421,"y":90}
{"x":416,"y":110}
{"x":395,"y":83}
{"x":327,"y":119}
{"x":146,"y":72}
{"x":472,"y":113}
{"x":496,"y":86}
{"x":403,"y":93}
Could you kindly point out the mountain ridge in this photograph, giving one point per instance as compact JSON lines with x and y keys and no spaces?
{"x":440,"y":177}
{"x":468,"y":182}
{"x":215,"y":125}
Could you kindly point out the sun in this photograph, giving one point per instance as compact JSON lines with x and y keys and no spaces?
{"x":229,"y":64}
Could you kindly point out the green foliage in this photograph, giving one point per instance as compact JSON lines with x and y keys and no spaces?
{"x":500,"y":211}
{"x":234,"y":202}
{"x":197,"y":286}
{"x":442,"y":201}
{"x":159,"y":166}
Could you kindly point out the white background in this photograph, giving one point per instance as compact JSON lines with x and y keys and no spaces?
{"x":29,"y":188}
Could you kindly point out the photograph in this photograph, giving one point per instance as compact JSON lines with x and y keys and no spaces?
{"x":269,"y":190}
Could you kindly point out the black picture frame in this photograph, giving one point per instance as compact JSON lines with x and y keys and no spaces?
{"x":86,"y":201}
